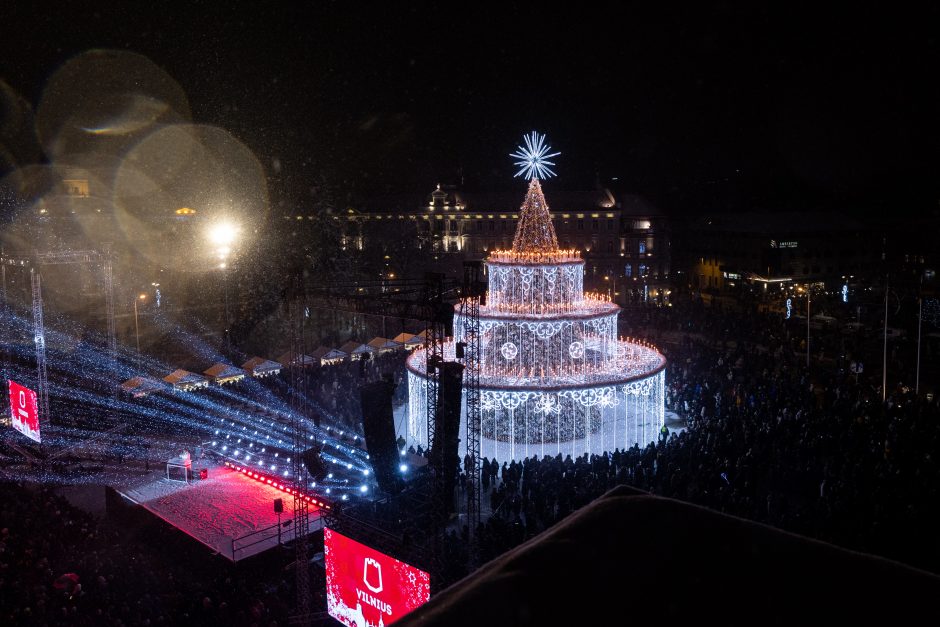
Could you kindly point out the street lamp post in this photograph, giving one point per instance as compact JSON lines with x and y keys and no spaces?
{"x":884,"y":354}
{"x":136,"y":326}
{"x":808,"y":302}
{"x":223,"y":236}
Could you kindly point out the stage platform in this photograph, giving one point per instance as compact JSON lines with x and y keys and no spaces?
{"x":228,"y":512}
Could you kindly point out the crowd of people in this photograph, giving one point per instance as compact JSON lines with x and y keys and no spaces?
{"x":335,"y":387}
{"x":62,"y":566}
{"x":814,"y":451}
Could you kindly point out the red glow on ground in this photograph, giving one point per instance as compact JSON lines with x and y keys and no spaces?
{"x":312,"y":499}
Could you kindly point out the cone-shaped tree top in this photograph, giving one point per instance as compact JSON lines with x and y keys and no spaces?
{"x":535,"y":232}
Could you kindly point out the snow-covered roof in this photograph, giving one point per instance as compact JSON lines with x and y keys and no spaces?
{"x":304,"y":360}
{"x":141,"y":386}
{"x":224,"y":372}
{"x":259,"y":366}
{"x":184,"y":379}
{"x":384,"y":344}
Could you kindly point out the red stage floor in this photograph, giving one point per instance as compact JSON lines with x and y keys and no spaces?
{"x":228,"y":512}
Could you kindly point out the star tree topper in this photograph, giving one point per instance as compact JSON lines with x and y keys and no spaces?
{"x":534,"y":157}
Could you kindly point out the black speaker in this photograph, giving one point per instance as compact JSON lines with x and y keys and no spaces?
{"x":314,"y":463}
{"x":378,"y":426}
{"x":278,"y":506}
{"x":444,"y":458}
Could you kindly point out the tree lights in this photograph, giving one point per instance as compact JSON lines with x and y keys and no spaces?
{"x":554,"y":377}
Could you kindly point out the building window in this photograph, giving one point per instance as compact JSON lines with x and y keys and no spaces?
{"x":580,"y":225}
{"x":610,"y":246}
{"x":642,"y":247}
{"x":479,"y":226}
{"x":644,"y":271}
{"x":594,"y":225}
{"x":492,"y":226}
{"x":610,"y":225}
{"x":628,"y":270}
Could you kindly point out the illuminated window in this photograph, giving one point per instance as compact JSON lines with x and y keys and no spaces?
{"x":628,"y":270}
{"x":642,"y":247}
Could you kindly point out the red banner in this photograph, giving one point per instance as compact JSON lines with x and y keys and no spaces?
{"x":365,"y":588}
{"x":24,"y":411}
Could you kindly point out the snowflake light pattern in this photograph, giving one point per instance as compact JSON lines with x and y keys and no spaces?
{"x":509,"y":351}
{"x":534,"y":157}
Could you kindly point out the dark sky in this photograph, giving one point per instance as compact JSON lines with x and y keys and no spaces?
{"x":700,"y":109}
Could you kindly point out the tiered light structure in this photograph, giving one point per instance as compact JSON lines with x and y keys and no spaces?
{"x":554,"y":376}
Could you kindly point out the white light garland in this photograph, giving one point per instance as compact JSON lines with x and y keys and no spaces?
{"x":554,"y":377}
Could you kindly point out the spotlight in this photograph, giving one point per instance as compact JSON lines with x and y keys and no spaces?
{"x":366,"y":472}
{"x":363,"y":488}
{"x":345,"y":497}
{"x":329,"y":476}
{"x":403,"y":467}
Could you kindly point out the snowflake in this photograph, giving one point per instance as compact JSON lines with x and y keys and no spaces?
{"x":547,"y":405}
{"x":534,"y":157}
{"x":576,"y":350}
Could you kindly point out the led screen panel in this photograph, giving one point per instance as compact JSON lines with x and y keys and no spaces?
{"x":365,"y":587}
{"x":24,"y":411}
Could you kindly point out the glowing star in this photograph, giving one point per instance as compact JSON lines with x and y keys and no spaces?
{"x":534,"y":157}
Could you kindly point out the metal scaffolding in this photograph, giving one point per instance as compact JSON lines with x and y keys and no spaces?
{"x":39,"y":338}
{"x":300,"y":442}
{"x":39,"y":329}
{"x":473,"y":292}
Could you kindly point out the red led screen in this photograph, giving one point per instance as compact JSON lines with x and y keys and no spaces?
{"x":24,"y":411}
{"x":365,"y":587}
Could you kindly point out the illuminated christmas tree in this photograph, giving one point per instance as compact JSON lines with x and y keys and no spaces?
{"x":535,"y":232}
{"x":554,"y":378}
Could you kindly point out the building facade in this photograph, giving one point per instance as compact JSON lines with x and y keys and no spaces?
{"x":624,"y":242}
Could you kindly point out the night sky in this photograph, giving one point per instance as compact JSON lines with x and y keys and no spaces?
{"x":701,"y":110}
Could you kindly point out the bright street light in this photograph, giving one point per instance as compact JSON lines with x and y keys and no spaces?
{"x":223,"y":233}
{"x":222,"y":236}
